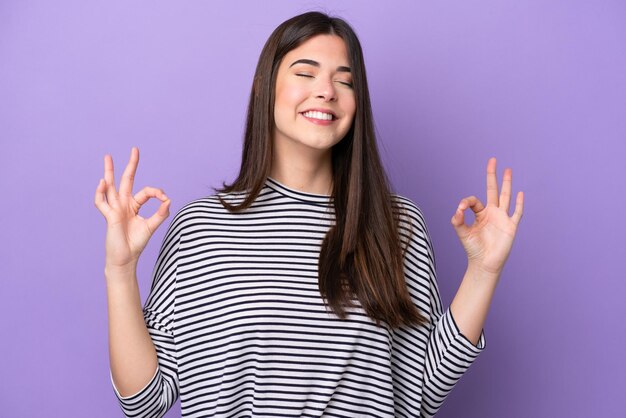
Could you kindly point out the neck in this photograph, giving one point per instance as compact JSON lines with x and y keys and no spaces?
{"x":308,"y":172}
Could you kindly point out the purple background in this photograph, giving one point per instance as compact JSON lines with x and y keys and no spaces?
{"x":539,"y":84}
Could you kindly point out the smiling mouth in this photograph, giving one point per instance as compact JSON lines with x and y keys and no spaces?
{"x":314,"y":114}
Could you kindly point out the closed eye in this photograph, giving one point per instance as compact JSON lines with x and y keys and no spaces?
{"x":345,"y":83}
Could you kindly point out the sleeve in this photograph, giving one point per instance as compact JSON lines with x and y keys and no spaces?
{"x":427,"y":360}
{"x":157,"y":397}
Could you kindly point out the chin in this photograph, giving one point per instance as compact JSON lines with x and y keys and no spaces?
{"x":316,"y":143}
{"x":322,"y":143}
{"x":322,"y":146}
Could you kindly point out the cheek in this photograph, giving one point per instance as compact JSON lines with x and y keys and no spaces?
{"x":290,"y":95}
{"x":348,"y":102}
{"x":351,"y":110}
{"x":286,"y":104}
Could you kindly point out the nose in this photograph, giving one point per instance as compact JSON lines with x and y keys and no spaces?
{"x":326,"y":90}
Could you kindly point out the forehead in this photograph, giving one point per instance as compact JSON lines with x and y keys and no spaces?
{"x":325,"y":49}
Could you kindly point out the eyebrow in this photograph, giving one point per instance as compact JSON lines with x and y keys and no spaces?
{"x":340,"y":69}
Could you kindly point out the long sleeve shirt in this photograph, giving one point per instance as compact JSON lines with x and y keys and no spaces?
{"x":241,"y":330}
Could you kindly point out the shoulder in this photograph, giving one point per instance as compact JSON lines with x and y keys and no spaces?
{"x":201,"y":211}
{"x":419,"y":253}
{"x":409,"y":214}
{"x":412,"y":229}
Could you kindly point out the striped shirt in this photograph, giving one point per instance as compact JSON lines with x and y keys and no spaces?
{"x":241,"y":330}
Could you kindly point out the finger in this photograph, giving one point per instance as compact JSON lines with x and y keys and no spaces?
{"x":161,"y":214}
{"x":100,"y":199}
{"x":148,"y":192}
{"x":128,"y":177}
{"x":505,"y":194}
{"x":471,"y":202}
{"x":109,"y":179}
{"x":492,"y":183}
{"x":519,"y":208}
{"x":458,"y":222}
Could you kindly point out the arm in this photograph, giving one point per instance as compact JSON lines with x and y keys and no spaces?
{"x":449,"y":355}
{"x":132,"y":354}
{"x":487,"y":242}
{"x":428,"y":360}
{"x":135,"y":358}
{"x":471,"y":302}
{"x":158,"y":390}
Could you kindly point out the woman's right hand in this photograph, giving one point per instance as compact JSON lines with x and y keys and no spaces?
{"x":127,"y":232}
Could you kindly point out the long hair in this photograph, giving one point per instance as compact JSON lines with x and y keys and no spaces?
{"x":361,"y":255}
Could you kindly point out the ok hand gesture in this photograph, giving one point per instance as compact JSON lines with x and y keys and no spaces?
{"x":489,"y":239}
{"x":127,"y":232}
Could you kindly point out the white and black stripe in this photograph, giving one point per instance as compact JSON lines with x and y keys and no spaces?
{"x":241,"y":330}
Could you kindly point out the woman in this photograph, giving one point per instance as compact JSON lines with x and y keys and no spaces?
{"x":304,"y":288}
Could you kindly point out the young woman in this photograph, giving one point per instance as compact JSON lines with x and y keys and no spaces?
{"x":305,"y":288}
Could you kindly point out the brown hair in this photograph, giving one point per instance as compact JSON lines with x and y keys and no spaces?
{"x":361,"y":254}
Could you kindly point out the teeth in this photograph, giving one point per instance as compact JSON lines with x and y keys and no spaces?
{"x":318,"y":115}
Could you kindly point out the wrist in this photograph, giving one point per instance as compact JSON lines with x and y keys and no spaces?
{"x":120,"y":272}
{"x":480,"y":273}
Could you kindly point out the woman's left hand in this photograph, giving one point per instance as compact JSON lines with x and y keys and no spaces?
{"x":489,"y":239}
